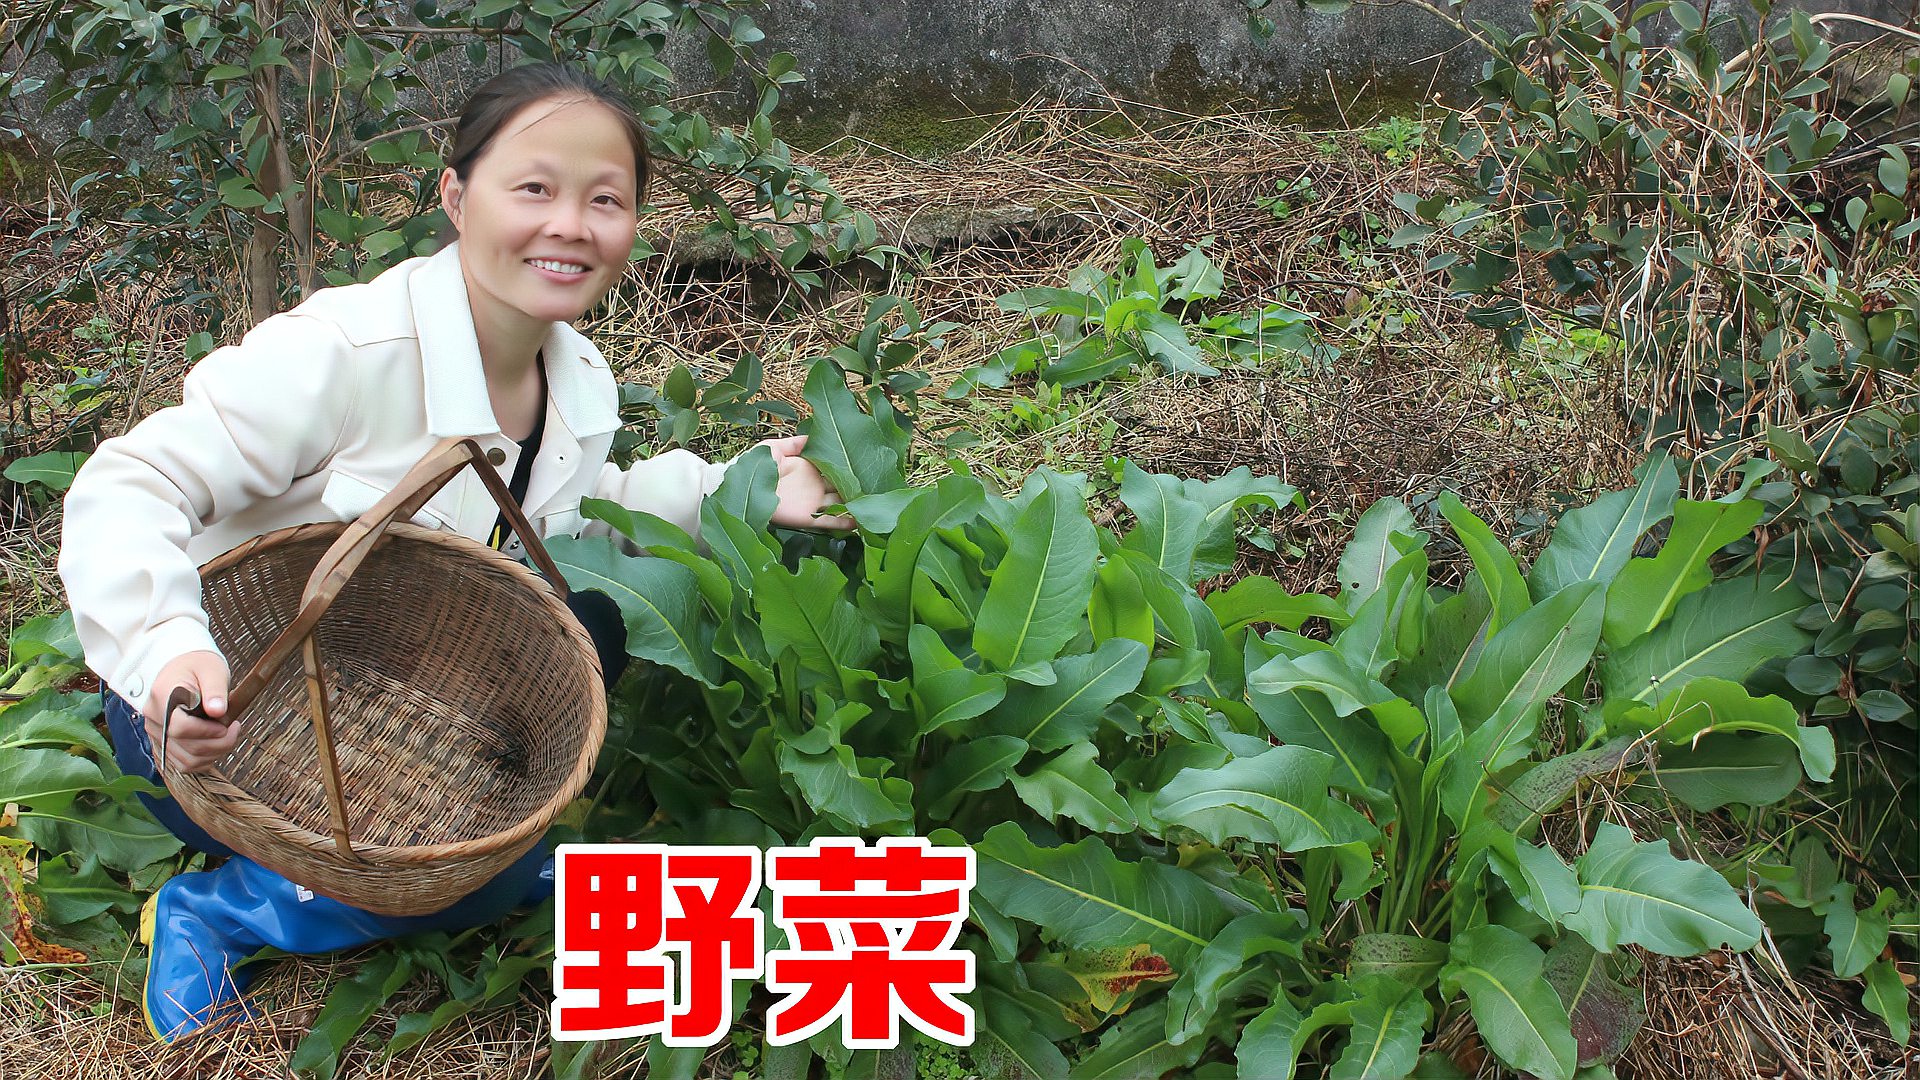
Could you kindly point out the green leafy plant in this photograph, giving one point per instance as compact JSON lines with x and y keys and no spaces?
{"x":1106,"y":323}
{"x":300,"y":148}
{"x":1334,"y":843}
{"x":1395,"y":138}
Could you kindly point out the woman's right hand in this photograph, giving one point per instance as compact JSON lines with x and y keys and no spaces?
{"x":194,"y":744}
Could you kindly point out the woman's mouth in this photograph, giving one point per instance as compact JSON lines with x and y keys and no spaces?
{"x":559,"y":269}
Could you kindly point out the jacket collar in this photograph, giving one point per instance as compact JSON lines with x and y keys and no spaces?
{"x":456,"y":385}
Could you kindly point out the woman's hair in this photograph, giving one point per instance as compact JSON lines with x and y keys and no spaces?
{"x":500,"y":98}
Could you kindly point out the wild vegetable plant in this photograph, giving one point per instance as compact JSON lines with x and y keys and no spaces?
{"x":1103,"y":324}
{"x":1198,"y":840}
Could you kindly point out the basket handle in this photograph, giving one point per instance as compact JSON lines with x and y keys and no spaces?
{"x":336,"y":567}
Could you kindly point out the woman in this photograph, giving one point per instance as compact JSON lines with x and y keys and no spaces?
{"x":315,"y":416}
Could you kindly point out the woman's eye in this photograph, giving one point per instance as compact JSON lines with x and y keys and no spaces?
{"x":608,"y":200}
{"x":534,"y":186}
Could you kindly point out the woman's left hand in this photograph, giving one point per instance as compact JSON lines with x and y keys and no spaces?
{"x":803,"y":491}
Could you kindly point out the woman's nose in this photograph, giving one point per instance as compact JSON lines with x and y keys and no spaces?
{"x":566,"y":221}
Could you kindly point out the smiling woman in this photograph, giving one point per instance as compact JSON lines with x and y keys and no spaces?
{"x":315,"y":416}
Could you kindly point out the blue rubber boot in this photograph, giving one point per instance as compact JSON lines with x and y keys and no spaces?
{"x":201,"y":925}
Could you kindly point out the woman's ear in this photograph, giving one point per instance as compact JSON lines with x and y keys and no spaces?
{"x":452,"y":196}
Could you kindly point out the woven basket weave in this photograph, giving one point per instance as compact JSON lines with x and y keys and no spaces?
{"x":419,"y":738}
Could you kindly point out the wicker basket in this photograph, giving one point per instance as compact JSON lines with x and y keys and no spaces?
{"x":420,"y":738}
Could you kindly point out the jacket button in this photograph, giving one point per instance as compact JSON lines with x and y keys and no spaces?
{"x":496,"y":457}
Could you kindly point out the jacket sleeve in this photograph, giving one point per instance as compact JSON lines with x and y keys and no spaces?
{"x":669,"y":486}
{"x":254,"y":417}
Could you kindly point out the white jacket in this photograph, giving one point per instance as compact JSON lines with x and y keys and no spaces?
{"x":314,"y":416}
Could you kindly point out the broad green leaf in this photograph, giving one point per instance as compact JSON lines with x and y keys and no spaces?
{"x":53,"y":719}
{"x":1531,"y":658}
{"x":1889,"y":999}
{"x":848,"y":445}
{"x":1604,"y":1015}
{"x":1166,"y":340}
{"x":750,"y":489}
{"x":1037,"y":599}
{"x":1264,"y":600}
{"x":1647,"y":589}
{"x":835,"y":782}
{"x":1593,"y":542}
{"x":1050,"y":301}
{"x":55,"y":470}
{"x":978,"y":764}
{"x":1195,"y":997}
{"x":1536,"y":877}
{"x":1706,"y":706}
{"x":1411,"y":961}
{"x":71,"y":895}
{"x":1221,"y":497}
{"x":1136,"y":1046}
{"x":349,"y":1006}
{"x":1067,"y":710}
{"x":807,"y":611}
{"x":1389,"y":1024}
{"x":1118,"y":607}
{"x":1195,"y":277}
{"x":1373,"y":639}
{"x":1072,"y":784}
{"x":1279,"y":797}
{"x":659,"y":601}
{"x":1085,"y":897}
{"x":1855,"y":937}
{"x":1311,"y":701}
{"x":44,"y":635}
{"x":1722,"y":769}
{"x":945,"y":690}
{"x":1012,"y":1044}
{"x":1364,"y":562}
{"x":1499,"y":573}
{"x":47,"y":779}
{"x":1167,"y":526}
{"x":1723,"y":631}
{"x":1519,"y":1017}
{"x":121,"y":834}
{"x":1271,"y":1043}
{"x":644,"y":529}
{"x":1639,"y":894}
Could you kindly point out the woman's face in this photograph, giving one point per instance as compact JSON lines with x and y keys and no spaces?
{"x":546,"y":214}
